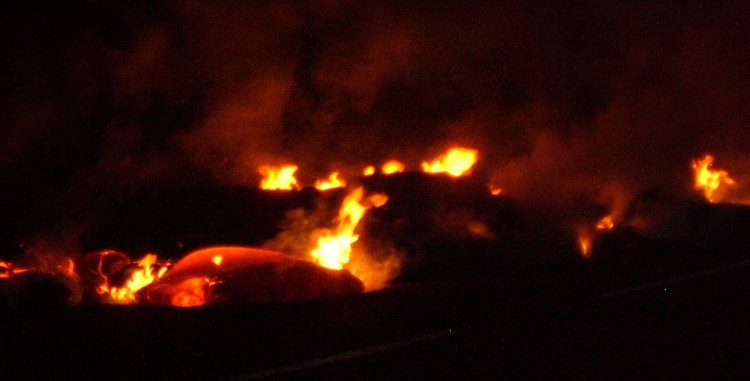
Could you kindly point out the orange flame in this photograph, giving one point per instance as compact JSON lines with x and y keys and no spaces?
{"x":334,"y":247}
{"x":584,"y":244}
{"x":709,"y":180}
{"x":332,"y":182}
{"x":278,"y":178}
{"x":392,"y":166}
{"x":148,"y":271}
{"x":606,"y":223}
{"x":456,"y":162}
{"x":368,"y":171}
{"x":495,"y":190}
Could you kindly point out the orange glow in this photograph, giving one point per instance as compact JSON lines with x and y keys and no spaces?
{"x":709,"y":180}
{"x":456,"y":162}
{"x":332,"y":182}
{"x":584,"y":243}
{"x":8,"y":269}
{"x":278,"y":178}
{"x":148,"y":271}
{"x":217,"y":260}
{"x":605,"y":223}
{"x":495,"y":191}
{"x":334,"y":247}
{"x":392,"y":166}
{"x":191,"y":292}
{"x":5,"y":270}
{"x":368,"y":171}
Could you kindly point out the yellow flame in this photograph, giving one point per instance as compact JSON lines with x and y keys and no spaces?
{"x":368,"y":171}
{"x":217,"y":260}
{"x":456,"y":162}
{"x":392,"y":166}
{"x":331,"y":182}
{"x":334,"y":248}
{"x":709,"y":180}
{"x":606,"y":223}
{"x":278,"y":178}
{"x":142,"y":277}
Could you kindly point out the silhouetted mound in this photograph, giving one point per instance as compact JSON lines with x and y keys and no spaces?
{"x":237,"y":275}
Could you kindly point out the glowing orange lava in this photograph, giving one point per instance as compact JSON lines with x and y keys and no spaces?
{"x":334,"y":248}
{"x":278,"y":178}
{"x":331,"y":182}
{"x":392,"y":166}
{"x":709,"y":180}
{"x":456,"y":162}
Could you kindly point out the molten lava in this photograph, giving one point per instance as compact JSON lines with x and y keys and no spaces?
{"x":392,"y":166}
{"x":334,"y":247}
{"x":456,"y":162}
{"x":245,"y":275}
{"x":709,"y":180}
{"x":331,"y":182}
{"x":278,"y":178}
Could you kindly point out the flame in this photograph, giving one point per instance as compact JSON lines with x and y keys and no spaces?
{"x":709,"y":180}
{"x":584,"y":243}
{"x":495,"y":190}
{"x":8,"y":269}
{"x":368,"y":171}
{"x":334,"y":248}
{"x":392,"y":166}
{"x":456,"y":162}
{"x":148,"y":271}
{"x":332,"y":182}
{"x":606,"y":223}
{"x":278,"y":178}
{"x":217,"y":260}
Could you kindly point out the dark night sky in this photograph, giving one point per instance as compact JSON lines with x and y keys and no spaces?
{"x":100,"y":99}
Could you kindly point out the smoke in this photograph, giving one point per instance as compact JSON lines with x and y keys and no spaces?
{"x":564,"y":101}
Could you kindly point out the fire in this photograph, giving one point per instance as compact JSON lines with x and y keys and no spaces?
{"x":278,"y":178}
{"x":217,"y":260}
{"x":456,"y":162}
{"x":392,"y":166}
{"x":334,"y":247}
{"x":606,"y":223}
{"x":148,"y":271}
{"x":8,"y":269}
{"x":584,"y":243}
{"x":495,"y":190}
{"x":368,"y":171}
{"x":709,"y":180}
{"x":332,"y":182}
